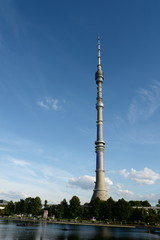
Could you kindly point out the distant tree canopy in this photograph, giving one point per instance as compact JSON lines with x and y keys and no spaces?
{"x":28,"y":206}
{"x":140,"y":203}
{"x":45,"y":203}
{"x":62,"y":209}
{"x":123,"y":210}
{"x":110,"y":210}
{"x":158,"y":205}
{"x":74,"y":207}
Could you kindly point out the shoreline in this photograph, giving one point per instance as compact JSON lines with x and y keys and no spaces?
{"x":83,"y":223}
{"x":96,"y":224}
{"x":76,"y":223}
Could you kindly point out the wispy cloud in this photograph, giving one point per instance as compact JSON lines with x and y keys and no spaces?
{"x":11,"y":165}
{"x":49,"y":103}
{"x":85,"y":182}
{"x":143,"y":177}
{"x":145,"y":104}
{"x":16,"y":144}
{"x":19,"y":162}
{"x":31,"y":171}
{"x":11,"y":143}
{"x":12,"y":195}
{"x":31,"y":178}
{"x":120,"y":192}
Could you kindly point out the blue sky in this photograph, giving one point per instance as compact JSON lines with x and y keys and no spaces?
{"x":48,"y":93}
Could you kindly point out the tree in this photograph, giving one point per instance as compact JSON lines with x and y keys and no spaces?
{"x":123,"y":210}
{"x":28,"y":205}
{"x":136,"y":214}
{"x":62,"y":209}
{"x":74,"y":207}
{"x":51,"y":211}
{"x":95,"y":208}
{"x":158,"y":205}
{"x":37,"y":206}
{"x":135,"y":203}
{"x":145,"y":203}
{"x":144,"y":215}
{"x":20,"y":207}
{"x":85,"y":210}
{"x":158,"y":216}
{"x":10,"y":208}
{"x":32,"y":205}
{"x":107,"y":209}
{"x":140,"y":214}
{"x":2,"y":212}
{"x":152,"y":216}
{"x":45,"y":204}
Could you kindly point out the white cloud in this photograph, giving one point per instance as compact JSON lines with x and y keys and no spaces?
{"x":85,"y":182}
{"x":19,"y":162}
{"x":143,"y":177}
{"x":108,"y":181}
{"x":120,"y":192}
{"x":49,"y":103}
{"x":145,"y":104}
{"x":42,"y":104}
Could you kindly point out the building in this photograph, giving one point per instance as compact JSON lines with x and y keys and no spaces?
{"x":3,"y":203}
{"x":100,"y":190}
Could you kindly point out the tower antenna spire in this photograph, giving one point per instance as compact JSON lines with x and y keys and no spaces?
{"x":99,"y":67}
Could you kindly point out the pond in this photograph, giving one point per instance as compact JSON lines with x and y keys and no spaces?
{"x":10,"y":230}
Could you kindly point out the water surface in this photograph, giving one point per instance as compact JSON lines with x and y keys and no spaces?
{"x":45,"y":231}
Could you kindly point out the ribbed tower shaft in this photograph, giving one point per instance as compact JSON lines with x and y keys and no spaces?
{"x":100,"y":190}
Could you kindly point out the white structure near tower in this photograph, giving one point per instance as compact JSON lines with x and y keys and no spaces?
{"x":100,"y":190}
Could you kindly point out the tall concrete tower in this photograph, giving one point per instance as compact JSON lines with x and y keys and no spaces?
{"x":100,"y":190}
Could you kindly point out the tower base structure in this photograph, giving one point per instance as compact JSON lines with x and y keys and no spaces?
{"x":101,"y":194}
{"x":100,"y":187}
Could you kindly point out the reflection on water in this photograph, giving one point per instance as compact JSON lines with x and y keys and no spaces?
{"x":43,"y":231}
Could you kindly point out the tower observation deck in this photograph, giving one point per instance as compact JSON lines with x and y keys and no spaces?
{"x":100,"y":190}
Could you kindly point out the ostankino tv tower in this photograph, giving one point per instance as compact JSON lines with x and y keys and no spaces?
{"x":100,"y":190}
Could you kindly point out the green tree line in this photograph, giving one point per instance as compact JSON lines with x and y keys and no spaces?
{"x":28,"y":206}
{"x":108,"y":211}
